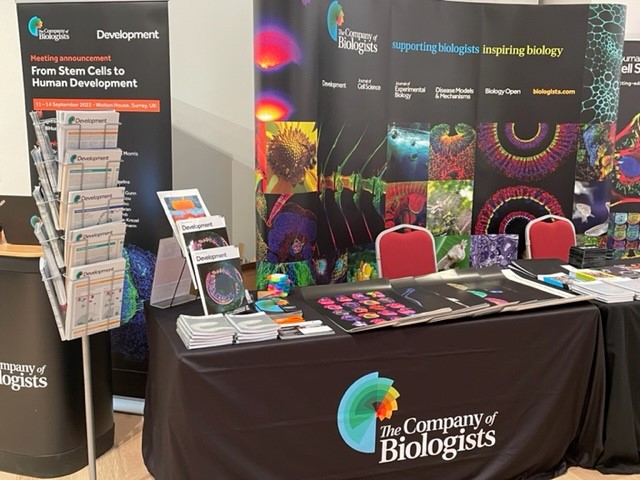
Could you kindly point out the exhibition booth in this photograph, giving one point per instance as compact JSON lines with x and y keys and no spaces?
{"x":408,"y":154}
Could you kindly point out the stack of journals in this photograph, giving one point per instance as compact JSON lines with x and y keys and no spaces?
{"x":253,"y":327}
{"x":587,"y":257}
{"x":603,"y":291}
{"x":205,"y":331}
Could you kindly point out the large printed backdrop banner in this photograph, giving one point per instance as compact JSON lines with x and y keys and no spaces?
{"x":96,"y":56}
{"x":468,"y":119}
{"x":624,"y":164}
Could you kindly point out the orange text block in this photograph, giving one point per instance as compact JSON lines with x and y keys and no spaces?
{"x":119,"y":105}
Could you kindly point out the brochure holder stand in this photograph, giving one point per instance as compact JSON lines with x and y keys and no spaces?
{"x":171,"y":279}
{"x":92,"y":303}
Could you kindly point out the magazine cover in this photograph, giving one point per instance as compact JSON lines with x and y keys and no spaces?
{"x":87,"y":129}
{"x":86,"y":208}
{"x":201,"y":234}
{"x":181,"y":205}
{"x":219,"y":277}
{"x":94,"y":244}
{"x":88,"y":169}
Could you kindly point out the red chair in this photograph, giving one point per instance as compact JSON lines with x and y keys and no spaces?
{"x":549,"y":236}
{"x":404,"y":251}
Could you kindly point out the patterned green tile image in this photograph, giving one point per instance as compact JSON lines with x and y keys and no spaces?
{"x":605,"y":40}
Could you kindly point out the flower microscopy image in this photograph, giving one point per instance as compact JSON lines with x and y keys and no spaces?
{"x":292,"y":234}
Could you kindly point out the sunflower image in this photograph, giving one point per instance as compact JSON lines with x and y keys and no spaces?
{"x":291,"y":157}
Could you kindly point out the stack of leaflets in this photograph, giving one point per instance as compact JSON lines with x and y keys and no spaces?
{"x":280,"y":310}
{"x":86,"y":208}
{"x":205,"y":331}
{"x":253,"y":327}
{"x":94,"y":297}
{"x":308,"y":329}
{"x":603,"y":291}
{"x":631,"y":284}
{"x":587,"y":257}
{"x":88,"y":169}
{"x":86,"y":130}
{"x":84,"y":246}
{"x":219,"y":277}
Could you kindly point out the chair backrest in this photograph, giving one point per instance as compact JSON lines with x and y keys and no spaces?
{"x":405,"y":250}
{"x":550,"y":236}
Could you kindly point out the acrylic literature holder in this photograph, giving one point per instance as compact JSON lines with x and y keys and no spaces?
{"x":171,"y":278}
{"x":86,"y":289}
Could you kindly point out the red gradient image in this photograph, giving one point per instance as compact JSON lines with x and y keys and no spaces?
{"x":271,"y":107}
{"x":273,"y":48}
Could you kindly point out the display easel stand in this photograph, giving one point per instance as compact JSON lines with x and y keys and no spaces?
{"x":88,"y":407}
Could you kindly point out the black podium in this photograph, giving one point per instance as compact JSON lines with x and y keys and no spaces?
{"x":42,"y":413}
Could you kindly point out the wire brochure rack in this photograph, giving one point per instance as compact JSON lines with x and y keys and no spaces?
{"x":82,"y":230}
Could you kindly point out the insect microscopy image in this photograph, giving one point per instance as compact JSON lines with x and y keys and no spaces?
{"x":449,"y":205}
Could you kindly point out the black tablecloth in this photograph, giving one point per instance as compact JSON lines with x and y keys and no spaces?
{"x":621,"y":325}
{"x":269,"y":411}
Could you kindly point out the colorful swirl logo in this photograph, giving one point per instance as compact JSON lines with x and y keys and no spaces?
{"x":35,"y":24}
{"x":335,"y":19}
{"x":367,"y":399}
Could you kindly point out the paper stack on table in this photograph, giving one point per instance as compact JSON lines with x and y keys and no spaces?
{"x":253,"y":327}
{"x":205,"y":331}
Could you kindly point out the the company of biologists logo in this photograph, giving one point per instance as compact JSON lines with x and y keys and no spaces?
{"x":347,"y":39}
{"x":35,"y":24}
{"x":36,"y":28}
{"x":368,"y":399}
{"x":372,"y":398}
{"x":335,"y":19}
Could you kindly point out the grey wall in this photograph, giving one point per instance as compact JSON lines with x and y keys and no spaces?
{"x":212,"y":92}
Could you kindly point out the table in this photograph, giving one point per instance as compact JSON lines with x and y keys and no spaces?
{"x":621,"y":327}
{"x":524,"y":391}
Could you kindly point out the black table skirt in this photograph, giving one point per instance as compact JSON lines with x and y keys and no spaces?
{"x":621,"y":326}
{"x":268,"y":411}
